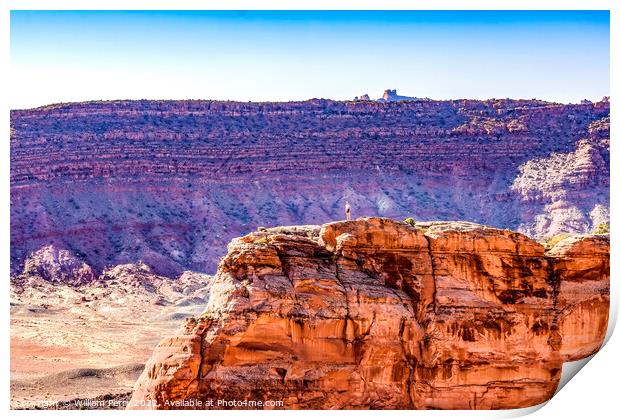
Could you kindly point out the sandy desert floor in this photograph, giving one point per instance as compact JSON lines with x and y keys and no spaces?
{"x":74,"y":345}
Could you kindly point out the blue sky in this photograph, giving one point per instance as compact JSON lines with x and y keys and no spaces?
{"x":81,"y":55}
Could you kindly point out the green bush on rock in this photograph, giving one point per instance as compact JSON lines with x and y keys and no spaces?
{"x":410,"y":221}
{"x":601,"y":229}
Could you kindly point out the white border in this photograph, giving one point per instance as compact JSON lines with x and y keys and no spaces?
{"x":594,"y":394}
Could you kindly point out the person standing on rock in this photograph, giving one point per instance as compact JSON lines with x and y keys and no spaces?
{"x":347,"y":210}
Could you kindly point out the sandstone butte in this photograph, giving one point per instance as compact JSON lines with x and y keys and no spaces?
{"x":374,"y":313}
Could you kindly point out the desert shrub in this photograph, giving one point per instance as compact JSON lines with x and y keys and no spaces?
{"x":601,"y":228}
{"x":410,"y":221}
{"x":555,"y":239}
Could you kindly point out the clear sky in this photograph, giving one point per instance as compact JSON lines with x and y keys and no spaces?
{"x":276,"y":56}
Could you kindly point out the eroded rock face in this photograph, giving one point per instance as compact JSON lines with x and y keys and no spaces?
{"x":581,"y":268}
{"x":374,"y":313}
{"x":170,"y":183}
{"x":57,"y":265}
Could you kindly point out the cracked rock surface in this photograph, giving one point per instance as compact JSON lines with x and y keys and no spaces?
{"x":374,"y":313}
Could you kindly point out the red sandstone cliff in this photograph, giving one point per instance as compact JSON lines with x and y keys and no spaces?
{"x":171,"y":182}
{"x":373,"y":313}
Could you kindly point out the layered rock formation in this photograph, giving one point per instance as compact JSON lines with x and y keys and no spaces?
{"x":581,"y":269}
{"x":172,"y":182}
{"x":554,"y":186}
{"x":374,"y":313}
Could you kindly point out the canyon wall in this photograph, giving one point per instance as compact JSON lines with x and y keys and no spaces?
{"x":172,"y":182}
{"x":374,"y":313}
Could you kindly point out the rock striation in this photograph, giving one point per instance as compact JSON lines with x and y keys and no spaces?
{"x":172,"y":182}
{"x":374,"y":313}
{"x":581,"y":269}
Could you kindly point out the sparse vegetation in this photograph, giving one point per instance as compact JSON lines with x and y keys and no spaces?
{"x":601,"y":229}
{"x":410,"y":221}
{"x":551,"y":242}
